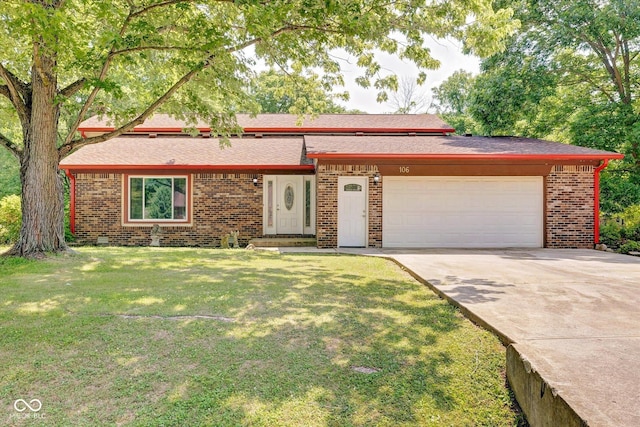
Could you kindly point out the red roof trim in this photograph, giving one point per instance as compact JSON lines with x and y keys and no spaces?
{"x":288,"y":130}
{"x":349,"y":130}
{"x":465,"y":156}
{"x":188,"y":167}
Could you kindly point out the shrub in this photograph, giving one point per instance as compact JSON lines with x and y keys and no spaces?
{"x":630,"y":246}
{"x":610,"y":232}
{"x":621,"y":229}
{"x":10,"y":218}
{"x":631,"y":216}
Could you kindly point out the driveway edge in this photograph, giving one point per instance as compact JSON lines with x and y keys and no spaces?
{"x":506,"y":341}
{"x":540,"y":403}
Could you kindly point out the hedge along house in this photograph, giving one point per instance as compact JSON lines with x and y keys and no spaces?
{"x":347,"y":180}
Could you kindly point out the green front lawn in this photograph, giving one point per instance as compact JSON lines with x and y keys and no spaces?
{"x":165,"y":336}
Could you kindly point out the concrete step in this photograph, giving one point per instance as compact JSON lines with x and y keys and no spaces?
{"x":275,"y":242}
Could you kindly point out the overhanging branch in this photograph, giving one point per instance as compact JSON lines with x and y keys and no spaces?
{"x":73,"y":88}
{"x":72,"y":145}
{"x":4,"y":91}
{"x":18,"y":93}
{"x":75,"y":144}
{"x":11,"y":146}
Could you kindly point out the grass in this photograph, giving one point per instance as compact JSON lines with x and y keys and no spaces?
{"x":159,"y":336}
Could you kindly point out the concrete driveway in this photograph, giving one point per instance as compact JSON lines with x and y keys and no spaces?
{"x":572,"y":317}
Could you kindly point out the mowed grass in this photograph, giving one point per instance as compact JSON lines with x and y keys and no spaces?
{"x":166,"y":336}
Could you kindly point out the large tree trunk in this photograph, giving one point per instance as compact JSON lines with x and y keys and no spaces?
{"x":42,"y":191}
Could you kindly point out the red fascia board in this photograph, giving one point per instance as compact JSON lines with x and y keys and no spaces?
{"x":140,"y":130}
{"x":188,"y":167}
{"x":346,"y":130}
{"x":356,"y":156}
{"x":286,"y":130}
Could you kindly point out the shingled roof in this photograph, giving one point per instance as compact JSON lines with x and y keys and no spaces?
{"x":290,"y":123}
{"x":326,"y":146}
{"x":185,"y":151}
{"x":288,"y":147}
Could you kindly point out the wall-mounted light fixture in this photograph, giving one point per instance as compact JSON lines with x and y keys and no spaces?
{"x":376,"y":179}
{"x":255,"y":181}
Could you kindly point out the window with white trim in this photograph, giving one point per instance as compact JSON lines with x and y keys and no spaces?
{"x":158,"y":198}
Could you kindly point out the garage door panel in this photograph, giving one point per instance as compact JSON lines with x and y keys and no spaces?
{"x":477,"y":212}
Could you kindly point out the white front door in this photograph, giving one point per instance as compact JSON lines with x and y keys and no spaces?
{"x":289,"y":204}
{"x":352,"y":211}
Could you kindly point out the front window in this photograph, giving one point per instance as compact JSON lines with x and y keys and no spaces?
{"x":158,"y":198}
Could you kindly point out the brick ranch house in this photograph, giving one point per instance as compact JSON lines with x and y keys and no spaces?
{"x":347,"y":180}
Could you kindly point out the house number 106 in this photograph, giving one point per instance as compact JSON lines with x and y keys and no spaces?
{"x":404,"y":169}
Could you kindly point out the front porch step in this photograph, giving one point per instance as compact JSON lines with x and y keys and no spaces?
{"x":275,"y":242}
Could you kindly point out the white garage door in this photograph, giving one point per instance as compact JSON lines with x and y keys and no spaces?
{"x":462,"y":212}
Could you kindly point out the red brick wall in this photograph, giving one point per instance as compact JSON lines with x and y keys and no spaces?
{"x":569,"y":213}
{"x":225,"y":202}
{"x":327,"y":203}
{"x":221,"y":203}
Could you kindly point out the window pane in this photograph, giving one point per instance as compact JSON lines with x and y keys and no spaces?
{"x":270,"y":204}
{"x":179,"y":198}
{"x":157,"y":198}
{"x":288,"y":197}
{"x":353,"y":187}
{"x":135,"y":198}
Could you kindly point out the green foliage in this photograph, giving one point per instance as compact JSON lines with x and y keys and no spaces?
{"x":9,"y":174}
{"x":128,"y":55}
{"x":602,"y":125}
{"x":630,"y":219}
{"x":610,"y":232}
{"x":295,"y":93}
{"x":622,"y":230}
{"x":462,"y":123}
{"x":452,"y":96}
{"x":618,"y":188}
{"x":452,"y":101}
{"x":568,"y":75}
{"x":630,"y":246}
{"x":68,"y":235}
{"x":509,"y":91}
{"x":10,"y":219}
{"x":158,"y":202}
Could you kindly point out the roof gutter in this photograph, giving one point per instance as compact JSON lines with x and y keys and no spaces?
{"x":122,"y":167}
{"x":390,"y":156}
{"x":596,"y":201}
{"x":287,"y":130}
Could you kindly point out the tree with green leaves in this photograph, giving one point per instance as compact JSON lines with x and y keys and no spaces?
{"x":62,"y":61}
{"x":452,"y":101}
{"x":582,"y":52}
{"x":570,"y":74}
{"x":295,"y":93}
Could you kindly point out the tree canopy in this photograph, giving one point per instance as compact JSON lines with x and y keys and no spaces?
{"x":294,"y":93}
{"x":62,"y":61}
{"x":570,"y":73}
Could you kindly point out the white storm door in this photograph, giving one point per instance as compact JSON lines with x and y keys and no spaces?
{"x":289,"y":206}
{"x":352,"y":211}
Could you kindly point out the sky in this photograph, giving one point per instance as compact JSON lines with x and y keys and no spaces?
{"x":448,"y":52}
